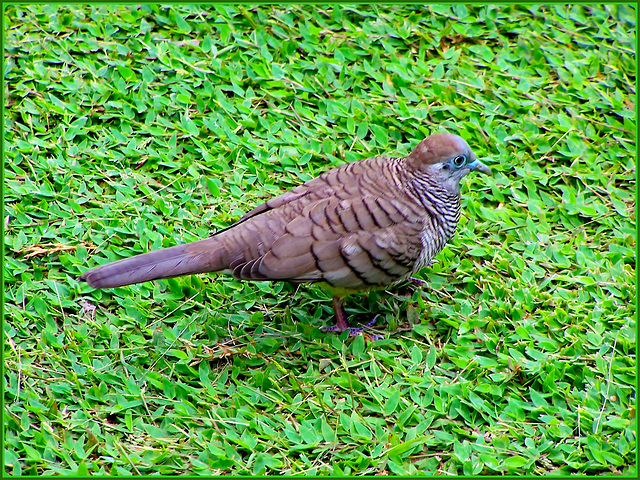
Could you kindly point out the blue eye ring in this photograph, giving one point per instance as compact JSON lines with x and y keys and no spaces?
{"x":459,"y":161}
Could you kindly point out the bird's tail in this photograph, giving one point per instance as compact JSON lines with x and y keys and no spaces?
{"x":197,"y":257}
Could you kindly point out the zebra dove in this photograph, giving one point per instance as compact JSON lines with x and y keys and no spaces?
{"x":364,"y":225}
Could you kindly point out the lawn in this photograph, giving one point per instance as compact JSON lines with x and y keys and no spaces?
{"x":130,"y":128}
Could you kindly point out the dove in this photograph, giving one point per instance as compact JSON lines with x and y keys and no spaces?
{"x":364,"y":225}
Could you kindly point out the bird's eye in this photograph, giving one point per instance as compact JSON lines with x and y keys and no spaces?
{"x":459,"y":161}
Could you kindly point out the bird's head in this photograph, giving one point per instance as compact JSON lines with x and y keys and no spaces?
{"x":445,"y":158}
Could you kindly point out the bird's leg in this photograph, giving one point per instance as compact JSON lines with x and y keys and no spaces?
{"x":342,"y":323}
{"x":341,"y":317}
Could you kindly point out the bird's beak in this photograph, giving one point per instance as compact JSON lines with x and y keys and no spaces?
{"x":479,"y":166}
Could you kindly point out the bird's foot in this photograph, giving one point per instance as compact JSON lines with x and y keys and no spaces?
{"x":418,"y":281}
{"x":342,"y":323}
{"x":357,"y":330}
{"x":330,"y":328}
{"x":353,"y":330}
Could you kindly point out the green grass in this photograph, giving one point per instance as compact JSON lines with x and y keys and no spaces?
{"x":132,"y":128}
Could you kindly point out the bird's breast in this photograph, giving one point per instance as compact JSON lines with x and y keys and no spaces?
{"x":433,"y":238}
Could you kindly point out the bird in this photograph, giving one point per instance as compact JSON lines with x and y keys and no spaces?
{"x":361,"y":226}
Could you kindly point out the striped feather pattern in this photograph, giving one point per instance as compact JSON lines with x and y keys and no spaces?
{"x":363,"y":225}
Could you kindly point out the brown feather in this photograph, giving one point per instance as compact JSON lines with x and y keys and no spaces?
{"x":362,"y":225}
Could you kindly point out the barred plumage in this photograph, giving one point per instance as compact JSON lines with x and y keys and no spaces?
{"x":363,"y":225}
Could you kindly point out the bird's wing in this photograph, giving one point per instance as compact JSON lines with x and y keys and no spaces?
{"x":337,"y":182}
{"x":355,"y":242}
